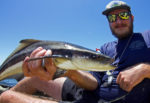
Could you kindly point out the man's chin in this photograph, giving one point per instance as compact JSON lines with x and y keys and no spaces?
{"x":122,"y":35}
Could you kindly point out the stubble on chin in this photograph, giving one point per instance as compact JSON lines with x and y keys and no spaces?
{"x":125,"y":33}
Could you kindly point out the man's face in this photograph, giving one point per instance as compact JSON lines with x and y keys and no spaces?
{"x":121,"y":28}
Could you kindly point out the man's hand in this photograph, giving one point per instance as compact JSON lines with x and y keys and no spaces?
{"x":130,"y":78}
{"x":34,"y":68}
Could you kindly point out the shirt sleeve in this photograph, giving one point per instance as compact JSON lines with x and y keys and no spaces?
{"x":108,"y":49}
{"x":146,"y":36}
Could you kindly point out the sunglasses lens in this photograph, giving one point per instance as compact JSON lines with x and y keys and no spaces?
{"x":111,"y":18}
{"x":124,"y":15}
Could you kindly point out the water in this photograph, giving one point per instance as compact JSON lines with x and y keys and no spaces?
{"x":8,"y":82}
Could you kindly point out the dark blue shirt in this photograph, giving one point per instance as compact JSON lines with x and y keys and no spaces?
{"x":127,"y":53}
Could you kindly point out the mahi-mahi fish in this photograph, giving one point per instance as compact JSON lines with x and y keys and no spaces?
{"x":66,"y":56}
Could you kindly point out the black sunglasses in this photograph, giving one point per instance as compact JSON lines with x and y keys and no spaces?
{"x":122,"y":15}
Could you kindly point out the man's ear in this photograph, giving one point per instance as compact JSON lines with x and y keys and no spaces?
{"x":132,"y":17}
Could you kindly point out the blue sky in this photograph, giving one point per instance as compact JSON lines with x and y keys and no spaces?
{"x":76,"y":21}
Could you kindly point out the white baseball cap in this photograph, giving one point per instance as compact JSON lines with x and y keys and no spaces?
{"x":115,"y":4}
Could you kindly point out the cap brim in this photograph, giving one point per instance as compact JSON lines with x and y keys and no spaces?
{"x":114,"y":8}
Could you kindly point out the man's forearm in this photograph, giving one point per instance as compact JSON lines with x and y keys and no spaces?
{"x":145,"y":70}
{"x":25,"y":86}
{"x":83,"y":79}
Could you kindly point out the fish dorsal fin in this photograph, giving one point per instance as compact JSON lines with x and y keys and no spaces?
{"x":23,"y":43}
{"x":29,"y":41}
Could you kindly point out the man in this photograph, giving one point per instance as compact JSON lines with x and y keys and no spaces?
{"x":128,"y":83}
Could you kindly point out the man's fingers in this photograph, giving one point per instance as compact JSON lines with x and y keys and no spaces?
{"x":39,"y":54}
{"x":36,"y":63}
{"x":49,"y":64}
{"x":32,"y":55}
{"x":25,"y":68}
{"x":118,"y":78}
{"x":124,"y":83}
{"x":35,"y":51}
{"x":48,"y":61}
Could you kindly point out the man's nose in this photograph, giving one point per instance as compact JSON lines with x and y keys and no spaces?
{"x":118,"y":20}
